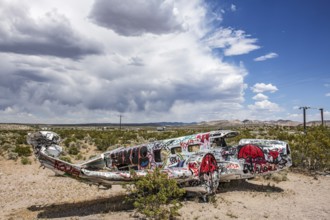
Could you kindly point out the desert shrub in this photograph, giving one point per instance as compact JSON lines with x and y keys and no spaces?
{"x":73,"y":150}
{"x":156,"y":196}
{"x":12,"y":156}
{"x":312,"y":150}
{"x":243,"y":133}
{"x":21,"y":138}
{"x":23,"y":151}
{"x":6,"y":147}
{"x":277,"y":177}
{"x":102,"y":145}
{"x":25,"y":160}
{"x":68,"y":141}
{"x":79,"y":157}
{"x":66,"y":158}
{"x":80,"y":135}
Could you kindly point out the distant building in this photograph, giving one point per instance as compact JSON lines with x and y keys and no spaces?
{"x":161,"y":128}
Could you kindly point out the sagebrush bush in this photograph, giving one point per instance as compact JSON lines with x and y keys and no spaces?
{"x":66,"y":158}
{"x":156,"y":196}
{"x":311,"y":150}
{"x":12,"y":156}
{"x":25,"y":160}
{"x":73,"y":150}
{"x":23,"y":151}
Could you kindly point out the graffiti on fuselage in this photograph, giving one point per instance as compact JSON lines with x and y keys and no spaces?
{"x":184,"y":142}
{"x":66,"y":168}
{"x":259,"y":159}
{"x":135,"y":158}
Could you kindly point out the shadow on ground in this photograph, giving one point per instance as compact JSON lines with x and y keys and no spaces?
{"x":247,"y":186}
{"x":234,"y":185}
{"x":84,"y":208}
{"x":117,"y":203}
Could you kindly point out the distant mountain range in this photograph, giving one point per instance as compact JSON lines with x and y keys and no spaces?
{"x":215,"y":123}
{"x":234,"y":123}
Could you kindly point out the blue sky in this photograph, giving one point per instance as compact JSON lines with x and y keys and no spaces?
{"x":298,"y":32}
{"x":156,"y":60}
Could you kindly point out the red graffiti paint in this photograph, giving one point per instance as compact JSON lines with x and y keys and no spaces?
{"x":137,"y":156}
{"x":193,"y":166}
{"x":203,"y":137}
{"x":233,"y":166}
{"x":209,"y":164}
{"x":250,"y":151}
{"x":66,"y":168}
{"x":274,"y":154}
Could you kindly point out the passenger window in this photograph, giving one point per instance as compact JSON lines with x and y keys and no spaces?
{"x":193,"y":148}
{"x":157,"y":156}
{"x":176,"y":150}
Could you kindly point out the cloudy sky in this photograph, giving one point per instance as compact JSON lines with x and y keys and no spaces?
{"x":163,"y":60}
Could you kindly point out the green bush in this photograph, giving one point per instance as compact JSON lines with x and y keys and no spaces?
{"x":6,"y":147}
{"x":23,"y":151}
{"x":66,"y":158}
{"x":79,"y":157}
{"x":156,"y":196}
{"x":73,"y":150}
{"x":25,"y":161}
{"x":12,"y":156}
{"x":311,"y":150}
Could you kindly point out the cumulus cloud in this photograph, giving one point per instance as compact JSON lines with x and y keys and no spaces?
{"x":262,"y":103}
{"x":266,"y":57}
{"x":265,"y":105}
{"x":50,"y":34}
{"x":328,"y":94}
{"x":234,"y":42}
{"x":169,"y":74}
{"x":262,"y":87}
{"x":233,"y":7}
{"x":260,"y":97}
{"x":138,"y":17}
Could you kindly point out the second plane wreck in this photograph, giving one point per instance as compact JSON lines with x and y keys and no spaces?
{"x":194,"y":161}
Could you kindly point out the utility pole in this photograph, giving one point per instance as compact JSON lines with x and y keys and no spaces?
{"x":120,"y":116}
{"x":304,"y":113}
{"x":322,"y":121}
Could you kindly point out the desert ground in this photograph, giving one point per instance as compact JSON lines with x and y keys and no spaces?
{"x":30,"y":192}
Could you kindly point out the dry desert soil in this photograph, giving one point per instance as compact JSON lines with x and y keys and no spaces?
{"x":30,"y":192}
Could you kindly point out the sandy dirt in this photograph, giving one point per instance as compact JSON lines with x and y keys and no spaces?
{"x":30,"y":192}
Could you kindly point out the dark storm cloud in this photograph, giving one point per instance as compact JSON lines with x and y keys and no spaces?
{"x":51,"y":35}
{"x":202,"y":91}
{"x":128,"y":97}
{"x":51,"y":48}
{"x":160,"y":73}
{"x":133,"y":18}
{"x":149,"y":96}
{"x":33,"y":84}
